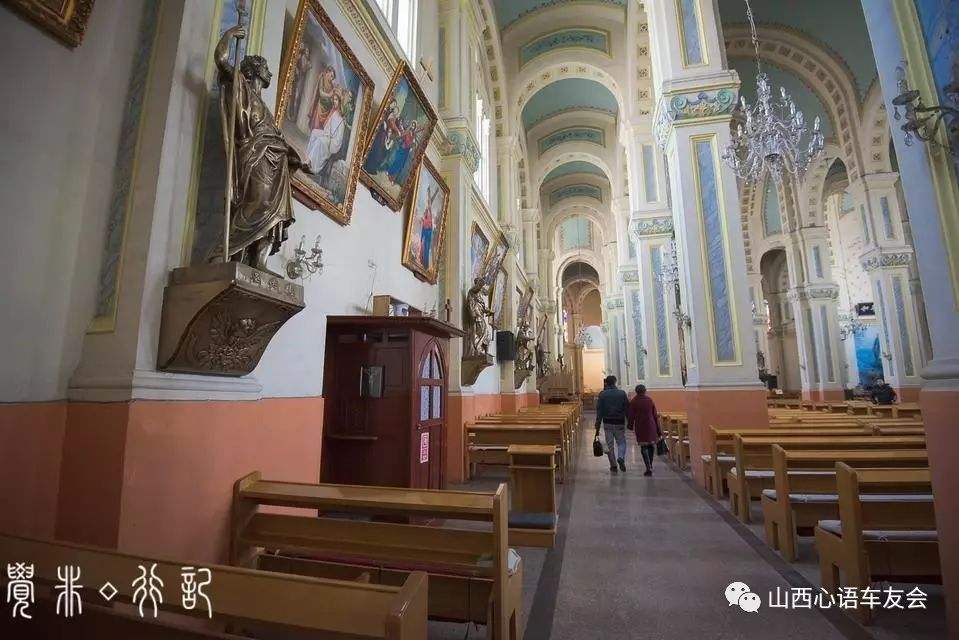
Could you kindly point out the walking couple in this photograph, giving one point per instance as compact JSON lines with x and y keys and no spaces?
{"x":617,"y":414}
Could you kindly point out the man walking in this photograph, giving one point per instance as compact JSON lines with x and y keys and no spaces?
{"x":611,"y":407}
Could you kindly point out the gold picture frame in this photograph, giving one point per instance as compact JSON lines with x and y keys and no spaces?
{"x":479,"y":251}
{"x":319,"y":67}
{"x":495,"y":258}
{"x":67,"y":23}
{"x":414,"y":252}
{"x":524,"y":305}
{"x":395,"y":144}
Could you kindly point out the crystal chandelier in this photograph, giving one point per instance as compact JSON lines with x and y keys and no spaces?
{"x":769,"y":135}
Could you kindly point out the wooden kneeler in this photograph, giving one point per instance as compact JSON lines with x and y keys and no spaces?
{"x":532,"y":515}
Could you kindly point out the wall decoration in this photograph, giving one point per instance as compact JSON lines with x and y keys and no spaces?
{"x":479,"y":245}
{"x":498,"y":298}
{"x":323,"y":109}
{"x":571,"y":38}
{"x":495,"y":259}
{"x":426,"y":223}
{"x":67,"y":21}
{"x":575,"y":190}
{"x":524,"y":304}
{"x":402,"y":129}
{"x":594,"y":135}
{"x":868,"y":355}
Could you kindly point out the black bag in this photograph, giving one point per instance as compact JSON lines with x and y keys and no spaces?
{"x":597,"y":447}
{"x":662,"y":448}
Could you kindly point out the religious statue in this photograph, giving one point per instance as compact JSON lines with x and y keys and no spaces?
{"x":562,"y":363}
{"x":479,"y":315}
{"x":542,"y":363}
{"x":524,"y":353}
{"x":260,"y":203}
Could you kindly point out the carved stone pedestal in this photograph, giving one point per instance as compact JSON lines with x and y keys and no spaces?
{"x":473,"y":366}
{"x":519,"y":376}
{"x":219,"y":318}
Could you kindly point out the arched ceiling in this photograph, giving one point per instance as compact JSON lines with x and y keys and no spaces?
{"x":838,"y":24}
{"x":568,"y":94}
{"x":509,"y":11}
{"x":576,"y":166}
{"x":577,"y":270}
{"x":806,"y":101}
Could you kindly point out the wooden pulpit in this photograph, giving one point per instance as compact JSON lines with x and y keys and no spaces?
{"x":385,"y":401}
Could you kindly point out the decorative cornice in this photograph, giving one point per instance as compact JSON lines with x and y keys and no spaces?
{"x":813,"y":293}
{"x":615,"y":302}
{"x":662,"y":225}
{"x":693,"y":105}
{"x":898,"y":259}
{"x":460,"y":142}
{"x":629,"y":275}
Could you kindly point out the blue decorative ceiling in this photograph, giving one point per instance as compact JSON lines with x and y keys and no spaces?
{"x":576,"y":166}
{"x":806,"y":101}
{"x":509,"y":11}
{"x":567,"y":95}
{"x":839,"y":24}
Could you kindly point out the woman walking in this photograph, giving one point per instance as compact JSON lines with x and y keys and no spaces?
{"x":644,"y":422}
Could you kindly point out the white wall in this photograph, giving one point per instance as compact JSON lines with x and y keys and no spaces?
{"x":60,"y":123}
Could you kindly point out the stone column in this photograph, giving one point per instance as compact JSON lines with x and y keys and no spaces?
{"x":696,"y":95}
{"x":932,"y":198}
{"x":887,"y":259}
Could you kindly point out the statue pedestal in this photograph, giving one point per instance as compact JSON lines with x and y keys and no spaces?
{"x":473,"y":366}
{"x":219,"y":318}
{"x":519,"y":376}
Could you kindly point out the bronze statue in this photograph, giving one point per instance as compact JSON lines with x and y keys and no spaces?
{"x":524,"y":354}
{"x":480,"y":329}
{"x":261,"y":205}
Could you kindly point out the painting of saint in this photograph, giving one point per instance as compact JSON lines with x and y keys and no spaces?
{"x":325,"y":100}
{"x":426,"y":223}
{"x":495,"y":260}
{"x":479,"y":246}
{"x":402,"y":130}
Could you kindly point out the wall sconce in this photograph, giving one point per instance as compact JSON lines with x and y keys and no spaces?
{"x":922,"y":121}
{"x":683,"y":319}
{"x":887,"y":355}
{"x":301,"y":264}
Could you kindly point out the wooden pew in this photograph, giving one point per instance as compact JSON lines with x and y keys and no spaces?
{"x":879,"y":538}
{"x":532,"y":479}
{"x":857,"y":407}
{"x":906,"y":410}
{"x":473,"y":575}
{"x":675,"y":428}
{"x":564,"y":418}
{"x":812,"y":496}
{"x":489,"y":443}
{"x":268,"y":605}
{"x":753,"y":468}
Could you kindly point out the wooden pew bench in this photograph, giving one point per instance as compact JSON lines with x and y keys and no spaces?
{"x":722,"y":448}
{"x":753,"y":470}
{"x":532,"y":477}
{"x":813,"y":496}
{"x":473,"y":575}
{"x":489,"y":443}
{"x":266,"y":605}
{"x":887,"y":536}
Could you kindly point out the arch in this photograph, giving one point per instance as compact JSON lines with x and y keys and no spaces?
{"x":592,"y":258}
{"x":811,"y":197}
{"x":586,"y":208}
{"x":494,"y":58}
{"x":572,"y":167}
{"x":876,"y":134}
{"x":534,"y":77}
{"x":569,"y":152}
{"x":820,"y":69}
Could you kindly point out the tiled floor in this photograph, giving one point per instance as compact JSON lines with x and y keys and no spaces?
{"x":642,"y":558}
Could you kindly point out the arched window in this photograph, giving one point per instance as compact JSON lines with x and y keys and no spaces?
{"x":431,"y":387}
{"x":401,"y":16}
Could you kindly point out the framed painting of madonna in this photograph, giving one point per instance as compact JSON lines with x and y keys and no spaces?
{"x":401,"y":131}
{"x":324,"y":105}
{"x":426,"y":223}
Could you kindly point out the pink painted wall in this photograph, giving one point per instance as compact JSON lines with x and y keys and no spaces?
{"x":740,"y":408}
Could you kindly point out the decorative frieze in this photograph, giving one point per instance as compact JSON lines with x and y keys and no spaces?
{"x":813,"y":293}
{"x":615,"y":303}
{"x":662,"y":225}
{"x":629,"y":275}
{"x":460,"y":142}
{"x":873,"y":262}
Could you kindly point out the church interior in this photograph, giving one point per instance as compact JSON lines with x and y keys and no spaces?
{"x":347,"y":304}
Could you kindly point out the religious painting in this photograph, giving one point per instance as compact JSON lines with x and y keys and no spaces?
{"x":868,"y":356}
{"x":64,"y":19}
{"x":402,"y":129}
{"x":426,"y":223}
{"x":524,"y":304}
{"x":498,"y":298}
{"x":323,"y":110}
{"x":495,"y":259}
{"x":479,"y":246}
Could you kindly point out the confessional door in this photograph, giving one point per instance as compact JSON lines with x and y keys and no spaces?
{"x":429,"y":432}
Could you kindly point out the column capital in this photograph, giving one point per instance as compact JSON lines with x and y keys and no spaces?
{"x":698,"y":101}
{"x":824,"y":292}
{"x":657,"y":224}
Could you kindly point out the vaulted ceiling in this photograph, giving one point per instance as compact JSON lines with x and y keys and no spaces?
{"x":569,"y":94}
{"x":509,"y":11}
{"x":576,"y":166}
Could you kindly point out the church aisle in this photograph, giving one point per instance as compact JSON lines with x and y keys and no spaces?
{"x":651,"y":558}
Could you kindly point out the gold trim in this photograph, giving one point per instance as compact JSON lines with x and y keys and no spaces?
{"x":474,"y":227}
{"x":430,"y":275}
{"x":711,"y":138}
{"x":701,"y":35}
{"x":303,"y":188}
{"x":108,"y":323}
{"x":944,"y":179}
{"x":402,"y":70}
{"x":607,"y":51}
